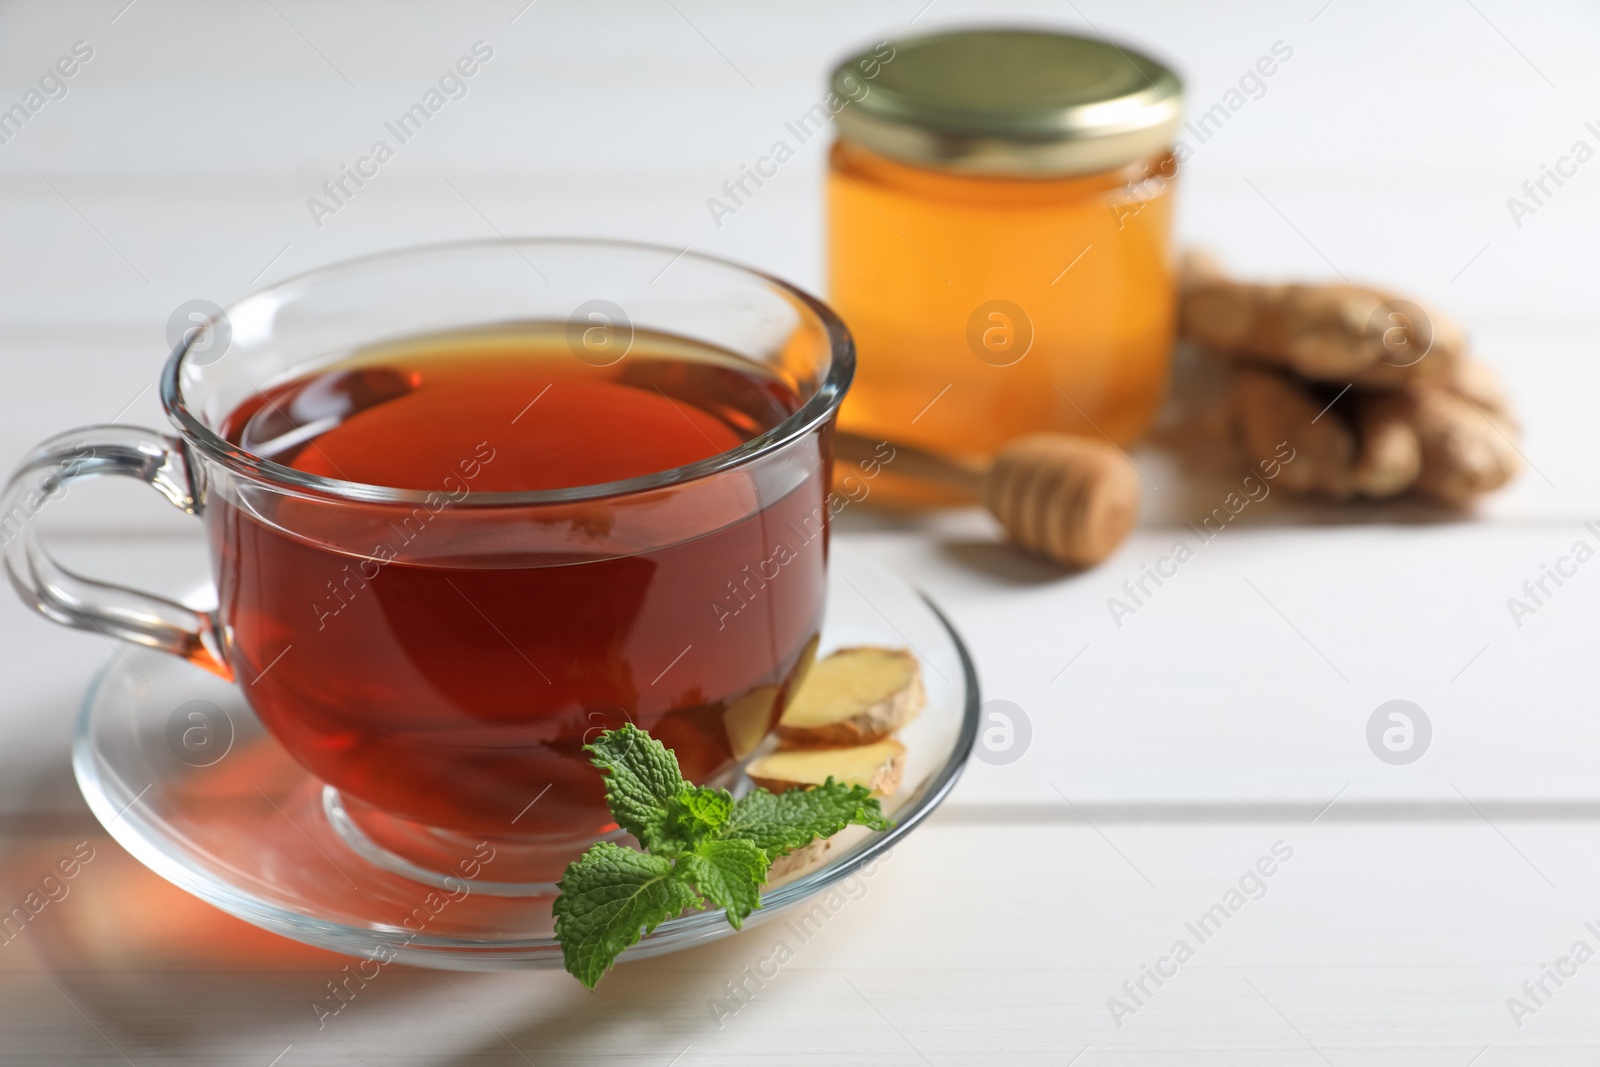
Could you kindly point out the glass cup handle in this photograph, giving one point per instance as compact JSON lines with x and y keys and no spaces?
{"x":113,"y":611}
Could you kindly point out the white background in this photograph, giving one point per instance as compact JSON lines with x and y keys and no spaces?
{"x":1223,"y":717}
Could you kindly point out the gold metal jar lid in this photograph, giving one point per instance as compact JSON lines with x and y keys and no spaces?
{"x":1003,"y":101}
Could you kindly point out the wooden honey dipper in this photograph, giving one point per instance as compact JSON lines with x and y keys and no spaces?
{"x":1064,"y":497}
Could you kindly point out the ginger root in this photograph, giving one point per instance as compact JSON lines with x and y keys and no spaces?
{"x":1389,"y":450}
{"x":1270,"y":409}
{"x":1376,"y":395}
{"x":1345,"y":332}
{"x":1465,"y":449}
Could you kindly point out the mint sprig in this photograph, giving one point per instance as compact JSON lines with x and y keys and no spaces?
{"x":699,"y":845}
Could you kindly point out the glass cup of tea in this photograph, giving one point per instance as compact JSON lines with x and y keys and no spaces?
{"x":468,"y":505}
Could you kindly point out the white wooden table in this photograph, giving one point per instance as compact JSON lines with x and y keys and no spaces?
{"x":1167,"y":756}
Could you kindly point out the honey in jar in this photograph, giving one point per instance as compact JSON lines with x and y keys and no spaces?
{"x":1000,"y":206}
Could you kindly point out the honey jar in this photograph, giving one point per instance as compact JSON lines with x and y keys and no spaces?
{"x":999,"y":214}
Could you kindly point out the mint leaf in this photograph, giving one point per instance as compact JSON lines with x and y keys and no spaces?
{"x":643,"y":777}
{"x":700,"y":845}
{"x":697,"y":814}
{"x":728,"y":873}
{"x":782,"y":822}
{"x":610,"y":897}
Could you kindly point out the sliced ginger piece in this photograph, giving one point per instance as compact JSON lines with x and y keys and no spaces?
{"x":878,"y":766}
{"x":749,"y":718}
{"x":854,"y":696}
{"x":802,"y":858}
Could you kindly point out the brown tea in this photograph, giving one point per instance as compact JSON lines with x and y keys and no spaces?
{"x":450,"y":671}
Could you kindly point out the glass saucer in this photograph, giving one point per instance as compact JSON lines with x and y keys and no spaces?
{"x":182,"y":775}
